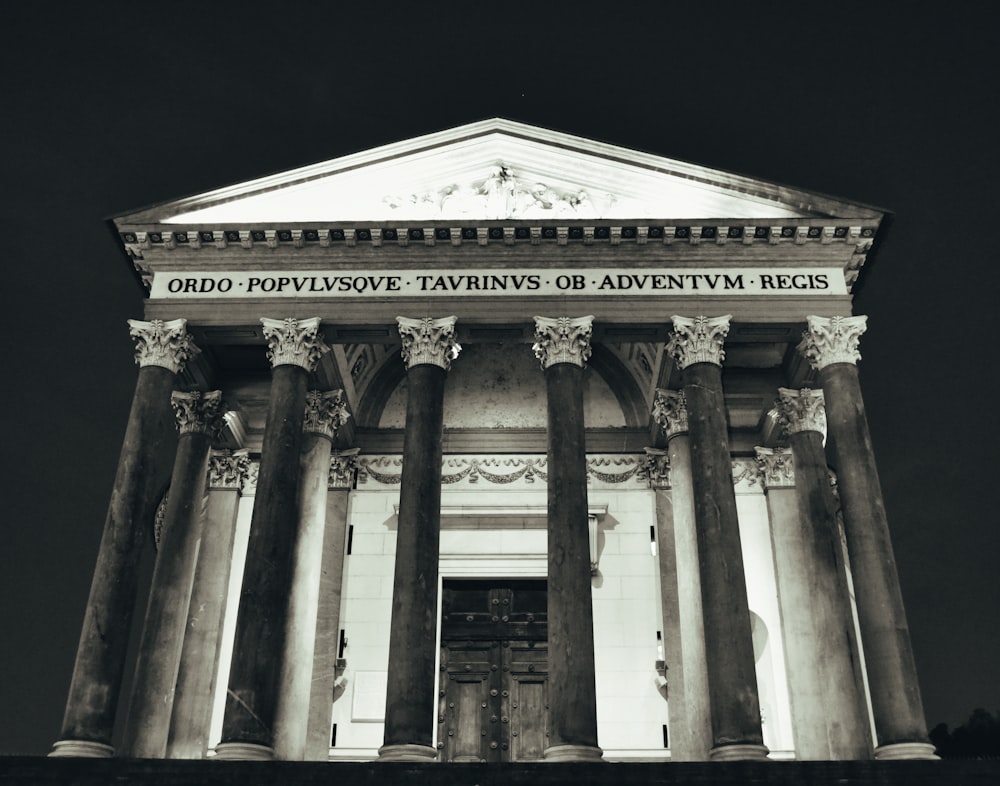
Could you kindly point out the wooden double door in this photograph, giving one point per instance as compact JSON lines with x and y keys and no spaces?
{"x":492,"y":702}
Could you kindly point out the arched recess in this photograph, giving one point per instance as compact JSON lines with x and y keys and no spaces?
{"x":623,"y":385}
{"x":603,"y":362}
{"x":373,"y":398}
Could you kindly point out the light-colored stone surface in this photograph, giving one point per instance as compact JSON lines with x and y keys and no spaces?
{"x":501,"y":386}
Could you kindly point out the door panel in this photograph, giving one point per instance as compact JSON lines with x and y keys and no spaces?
{"x":493,"y":704}
{"x":528,"y":710}
{"x":464,"y":699}
{"x":527,"y":717}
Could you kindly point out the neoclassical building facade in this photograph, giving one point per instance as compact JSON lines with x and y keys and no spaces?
{"x":498,"y":444}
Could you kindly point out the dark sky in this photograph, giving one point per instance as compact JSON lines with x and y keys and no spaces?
{"x":112,"y":106}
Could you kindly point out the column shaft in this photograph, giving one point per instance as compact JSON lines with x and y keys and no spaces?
{"x":260,"y":630}
{"x":409,"y":711}
{"x":735,"y":706}
{"x":830,"y":715}
{"x":169,"y":599}
{"x":324,"y":670}
{"x":292,"y":715}
{"x":143,"y":469}
{"x":690,"y":722}
{"x":885,"y":636}
{"x":196,"y":679}
{"x":572,"y":692}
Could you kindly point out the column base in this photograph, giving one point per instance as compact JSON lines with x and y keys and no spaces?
{"x":738,"y":752}
{"x":243,"y":751}
{"x":82,"y":748}
{"x":407,"y":752}
{"x":559,"y":753}
{"x":905,"y":750}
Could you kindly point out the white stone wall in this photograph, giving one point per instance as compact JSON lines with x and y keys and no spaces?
{"x":762,"y":597}
{"x":493,"y":525}
{"x":631,"y":710}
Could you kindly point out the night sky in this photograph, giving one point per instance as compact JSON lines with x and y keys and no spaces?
{"x":107,"y":107}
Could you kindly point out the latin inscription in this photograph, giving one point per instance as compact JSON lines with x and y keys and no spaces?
{"x":521,"y":282}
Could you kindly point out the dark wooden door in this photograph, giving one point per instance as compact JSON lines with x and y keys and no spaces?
{"x":494,"y":657}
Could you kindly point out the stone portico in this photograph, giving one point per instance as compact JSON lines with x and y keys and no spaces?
{"x":501,"y":445}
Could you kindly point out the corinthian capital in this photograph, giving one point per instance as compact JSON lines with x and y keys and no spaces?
{"x":833,"y":340}
{"x":343,"y":468}
{"x":198,"y":413}
{"x":326,"y":412}
{"x":563,"y":340}
{"x":670,"y":411}
{"x":656,"y":467}
{"x":159,"y":343}
{"x":228,"y":470}
{"x":429,"y":342}
{"x":294,"y":342}
{"x":777,"y":469}
{"x":698,"y":340}
{"x":801,"y":410}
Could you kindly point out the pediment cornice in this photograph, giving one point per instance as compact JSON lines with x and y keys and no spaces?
{"x":498,"y":170}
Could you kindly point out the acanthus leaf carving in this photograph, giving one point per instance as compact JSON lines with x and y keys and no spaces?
{"x":563,"y":340}
{"x":801,"y":410}
{"x":294,"y":342}
{"x":198,"y":413}
{"x":777,"y":467}
{"x":670,"y":411}
{"x":832,"y":340}
{"x":164,"y":344}
{"x":428,"y":341}
{"x":698,"y":340}
{"x":326,"y":412}
{"x":228,"y":470}
{"x":343,"y":468}
{"x":656,"y":468}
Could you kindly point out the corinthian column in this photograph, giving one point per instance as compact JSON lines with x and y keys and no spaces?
{"x":199,"y":420}
{"x":429,"y":346}
{"x":191,"y":718}
{"x":162,"y":349}
{"x":825,"y":684}
{"x":831,"y":346}
{"x":325,"y":413}
{"x":696,"y":346}
{"x":683,"y":629}
{"x":294,"y":347}
{"x":563,"y":346}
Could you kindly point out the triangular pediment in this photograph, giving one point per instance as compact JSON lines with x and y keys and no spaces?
{"x":496,"y":170}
